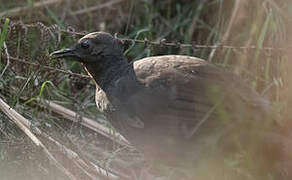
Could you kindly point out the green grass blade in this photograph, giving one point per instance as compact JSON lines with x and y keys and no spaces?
{"x":263,"y":34}
{"x":3,"y":35}
{"x":44,"y":86}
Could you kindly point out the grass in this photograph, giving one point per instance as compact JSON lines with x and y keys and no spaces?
{"x":199,"y":22}
{"x":3,"y":36}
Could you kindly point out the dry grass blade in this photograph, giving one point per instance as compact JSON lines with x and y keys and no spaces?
{"x":22,"y":10}
{"x":236,"y":7}
{"x":7,"y":57}
{"x":90,"y":169}
{"x":228,"y":29}
{"x":90,"y":9}
{"x":89,"y":123}
{"x":20,"y":121}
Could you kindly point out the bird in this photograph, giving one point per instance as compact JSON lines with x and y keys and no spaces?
{"x":178,"y":110}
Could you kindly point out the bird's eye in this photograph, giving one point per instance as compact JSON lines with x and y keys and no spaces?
{"x":85,"y":44}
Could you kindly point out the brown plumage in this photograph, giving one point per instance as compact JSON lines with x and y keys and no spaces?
{"x":178,"y":110}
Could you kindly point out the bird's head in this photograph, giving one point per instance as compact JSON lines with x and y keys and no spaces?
{"x":91,"y":48}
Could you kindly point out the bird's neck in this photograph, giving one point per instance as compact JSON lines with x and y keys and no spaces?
{"x":106,"y":70}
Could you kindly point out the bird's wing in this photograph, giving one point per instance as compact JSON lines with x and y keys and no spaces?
{"x":184,"y":94}
{"x":187,"y":103}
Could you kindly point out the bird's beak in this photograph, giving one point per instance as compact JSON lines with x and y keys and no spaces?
{"x":65,"y":53}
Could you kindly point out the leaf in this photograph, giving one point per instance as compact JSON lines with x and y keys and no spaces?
{"x":3,"y":36}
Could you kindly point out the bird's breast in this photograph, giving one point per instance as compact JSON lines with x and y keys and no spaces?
{"x":102,"y":102}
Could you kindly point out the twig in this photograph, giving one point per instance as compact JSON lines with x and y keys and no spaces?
{"x":49,"y":67}
{"x":22,"y":10}
{"x":19,"y":121}
{"x":183,"y":45}
{"x":7,"y":57}
{"x":89,"y":123}
{"x":100,"y":6}
{"x":172,"y":44}
{"x":66,"y":151}
{"x":81,"y":163}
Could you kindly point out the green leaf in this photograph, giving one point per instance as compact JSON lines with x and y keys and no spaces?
{"x":44,"y":86}
{"x":3,"y":36}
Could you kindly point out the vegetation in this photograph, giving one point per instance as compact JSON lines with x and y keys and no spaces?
{"x":241,"y":30}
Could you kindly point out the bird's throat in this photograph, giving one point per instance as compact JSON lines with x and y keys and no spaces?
{"x":106,"y":70}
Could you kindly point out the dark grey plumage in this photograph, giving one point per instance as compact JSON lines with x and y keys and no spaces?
{"x":177,"y":110}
